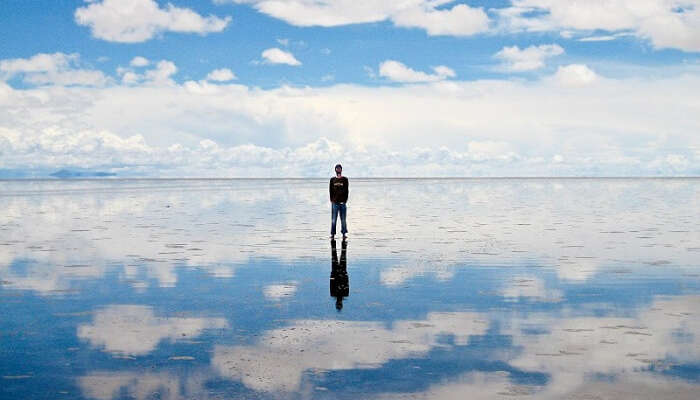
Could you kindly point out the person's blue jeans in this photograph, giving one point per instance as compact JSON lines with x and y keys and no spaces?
{"x":339,"y":208}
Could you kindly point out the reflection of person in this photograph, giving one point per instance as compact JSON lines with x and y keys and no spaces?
{"x":340,"y":283}
{"x":338,"y":190}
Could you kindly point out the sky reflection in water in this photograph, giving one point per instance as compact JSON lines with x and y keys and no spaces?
{"x":222,"y":289}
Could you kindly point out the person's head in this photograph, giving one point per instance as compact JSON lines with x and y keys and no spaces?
{"x":338,"y":169}
{"x":339,"y":303}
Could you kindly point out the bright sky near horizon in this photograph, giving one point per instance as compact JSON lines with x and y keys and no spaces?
{"x":263,"y":88}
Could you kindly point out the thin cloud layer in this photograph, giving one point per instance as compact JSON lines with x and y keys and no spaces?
{"x":132,"y":21}
{"x":399,"y":72}
{"x":51,"y":69}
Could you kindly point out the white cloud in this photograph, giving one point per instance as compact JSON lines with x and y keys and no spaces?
{"x":530,"y":58}
{"x":38,"y":63}
{"x":54,"y":69}
{"x":279,"y":56}
{"x":605,"y":38}
{"x":327,"y":12}
{"x":633,"y":349}
{"x":369,"y":71}
{"x":575,"y":349}
{"x":139,"y":62}
{"x":460,"y":20}
{"x":479,"y":386}
{"x":575,"y":75}
{"x":279,"y":359}
{"x":398,"y":72}
{"x":135,"y":330}
{"x":530,"y":288}
{"x":607,"y":127}
{"x":666,"y":23}
{"x":401,"y":273}
{"x":610,"y":345}
{"x":67,"y":78}
{"x":160,"y":74}
{"x":483,"y":207}
{"x":131,"y":21}
{"x":141,"y":385}
{"x":221,"y":75}
{"x":279,"y":291}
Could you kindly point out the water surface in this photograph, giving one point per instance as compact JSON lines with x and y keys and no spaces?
{"x":209,"y":289}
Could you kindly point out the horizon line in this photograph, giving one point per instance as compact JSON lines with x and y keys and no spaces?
{"x":135,"y":178}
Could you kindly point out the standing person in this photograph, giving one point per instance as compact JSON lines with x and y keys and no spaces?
{"x":338,"y":190}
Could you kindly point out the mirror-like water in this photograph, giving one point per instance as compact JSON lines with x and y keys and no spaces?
{"x":446,"y":288}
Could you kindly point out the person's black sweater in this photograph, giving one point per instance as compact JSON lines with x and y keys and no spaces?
{"x":338,"y":189}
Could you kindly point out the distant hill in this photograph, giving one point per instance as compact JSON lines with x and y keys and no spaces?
{"x":66,"y":173}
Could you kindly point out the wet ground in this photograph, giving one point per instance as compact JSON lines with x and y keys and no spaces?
{"x":446,"y":289}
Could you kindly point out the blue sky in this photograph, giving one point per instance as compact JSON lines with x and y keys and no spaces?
{"x":522,"y":87}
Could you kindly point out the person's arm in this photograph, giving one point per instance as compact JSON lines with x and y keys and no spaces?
{"x":347,"y":189}
{"x":330,"y":190}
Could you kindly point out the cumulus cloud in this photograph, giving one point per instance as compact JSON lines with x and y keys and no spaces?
{"x":131,"y":21}
{"x":278,"y":361}
{"x":399,"y":72}
{"x":575,"y":75}
{"x":530,"y":58}
{"x":279,"y":56}
{"x":139,"y":62}
{"x":160,"y":74}
{"x":442,"y":127}
{"x":665,"y":23}
{"x":135,"y":330}
{"x":51,"y":69}
{"x":459,"y":20}
{"x":221,"y":75}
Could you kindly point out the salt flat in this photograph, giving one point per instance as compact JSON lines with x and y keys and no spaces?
{"x":495,"y":288}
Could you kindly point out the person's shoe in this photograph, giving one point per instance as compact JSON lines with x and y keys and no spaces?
{"x":345,"y":237}
{"x":332,"y":237}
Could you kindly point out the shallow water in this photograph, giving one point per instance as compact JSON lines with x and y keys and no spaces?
{"x":456,"y":288}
